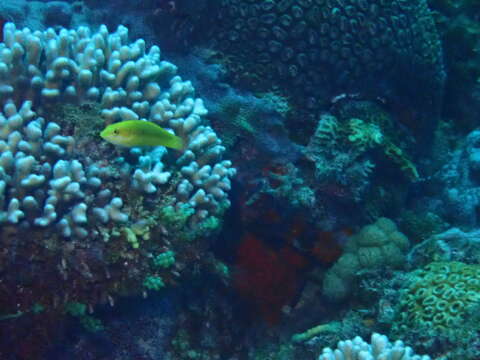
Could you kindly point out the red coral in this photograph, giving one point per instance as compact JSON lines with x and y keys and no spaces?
{"x":273,"y":255}
{"x":266,"y":278}
{"x":328,"y":247}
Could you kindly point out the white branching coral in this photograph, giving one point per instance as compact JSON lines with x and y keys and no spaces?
{"x":43,"y":181}
{"x":380,"y":348}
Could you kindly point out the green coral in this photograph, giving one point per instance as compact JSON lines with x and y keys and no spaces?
{"x":222,"y":269}
{"x":76,"y":309}
{"x":79,"y":310}
{"x":183,"y":348}
{"x":364,"y":135}
{"x":131,"y":238}
{"x":91,"y":324}
{"x":153,"y":282}
{"x":290,"y":186}
{"x":165,"y":259}
{"x":369,"y":126}
{"x":375,"y":246}
{"x":398,"y":156}
{"x":350,"y":145}
{"x":176,"y":218}
{"x":332,"y":327}
{"x":208,"y":226}
{"x":439,"y":296}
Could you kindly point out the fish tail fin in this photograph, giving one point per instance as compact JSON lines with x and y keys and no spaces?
{"x":175,"y":142}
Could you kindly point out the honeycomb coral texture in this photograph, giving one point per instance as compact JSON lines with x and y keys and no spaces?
{"x":439,"y":295}
{"x":324,"y":47}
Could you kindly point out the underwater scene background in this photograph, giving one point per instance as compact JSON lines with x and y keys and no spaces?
{"x":318,"y":196}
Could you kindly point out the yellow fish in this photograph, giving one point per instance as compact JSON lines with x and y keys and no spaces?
{"x":140,"y":133}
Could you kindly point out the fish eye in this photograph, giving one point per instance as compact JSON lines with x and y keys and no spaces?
{"x":115,"y":132}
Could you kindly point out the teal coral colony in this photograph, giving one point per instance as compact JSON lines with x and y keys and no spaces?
{"x":239,"y":180}
{"x":316,"y":49}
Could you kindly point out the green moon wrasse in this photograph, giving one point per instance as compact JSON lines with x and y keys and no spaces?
{"x":140,"y":133}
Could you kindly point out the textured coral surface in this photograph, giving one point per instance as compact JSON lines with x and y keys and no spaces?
{"x":440,"y":295}
{"x":316,"y":49}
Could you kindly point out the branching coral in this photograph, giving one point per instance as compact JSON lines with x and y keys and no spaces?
{"x":80,"y":219}
{"x":380,"y":348}
{"x":39,"y":70}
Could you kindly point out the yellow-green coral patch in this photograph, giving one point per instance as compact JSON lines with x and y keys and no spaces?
{"x":440,"y":295}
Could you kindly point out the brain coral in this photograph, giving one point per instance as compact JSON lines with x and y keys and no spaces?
{"x":377,"y":245}
{"x":439,"y":295}
{"x":321,"y":48}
